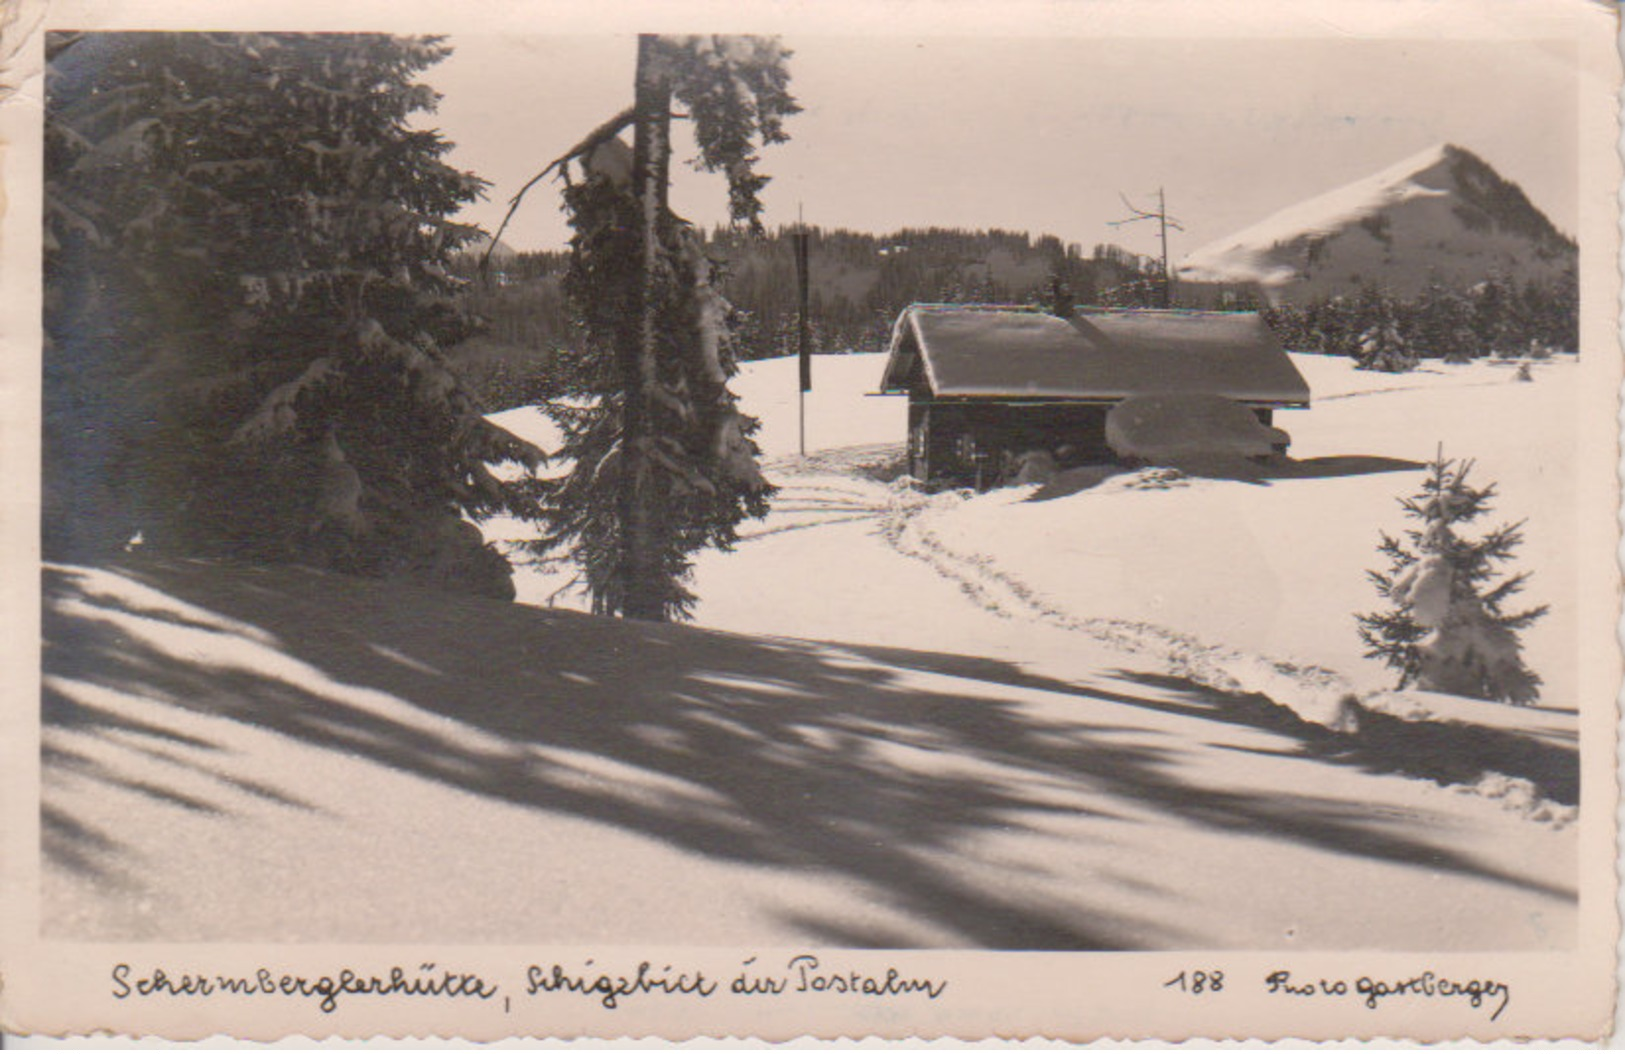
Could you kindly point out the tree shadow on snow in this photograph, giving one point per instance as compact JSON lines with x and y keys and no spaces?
{"x":774,"y":753}
{"x":1442,"y":753}
{"x":1235,"y":469}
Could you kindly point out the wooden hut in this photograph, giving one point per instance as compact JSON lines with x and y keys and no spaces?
{"x":986,"y":385}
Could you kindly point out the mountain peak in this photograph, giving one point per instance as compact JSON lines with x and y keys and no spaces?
{"x":1443,"y":212}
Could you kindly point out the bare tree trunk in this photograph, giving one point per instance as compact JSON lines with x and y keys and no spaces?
{"x":642,"y":595}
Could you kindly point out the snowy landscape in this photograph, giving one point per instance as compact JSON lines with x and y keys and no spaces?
{"x":401,"y":586}
{"x":1102,"y":719}
{"x":1263,"y":566}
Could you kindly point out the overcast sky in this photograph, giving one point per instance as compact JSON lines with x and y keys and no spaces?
{"x":1042,"y":135}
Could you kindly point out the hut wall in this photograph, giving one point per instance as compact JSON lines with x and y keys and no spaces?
{"x":919,"y":440}
{"x":977,"y":443}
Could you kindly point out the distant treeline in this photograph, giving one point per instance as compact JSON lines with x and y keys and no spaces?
{"x":1496,"y":318}
{"x":860,"y":283}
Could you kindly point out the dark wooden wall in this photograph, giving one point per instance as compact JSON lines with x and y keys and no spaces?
{"x":974,"y":442}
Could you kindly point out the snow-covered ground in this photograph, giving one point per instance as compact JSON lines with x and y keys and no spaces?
{"x":1104,"y":720}
{"x":1273,"y":568}
{"x":274,"y":755}
{"x":1278,"y":567}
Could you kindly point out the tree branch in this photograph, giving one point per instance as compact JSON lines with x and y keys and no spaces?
{"x":603,"y":133}
{"x":1139,"y":213}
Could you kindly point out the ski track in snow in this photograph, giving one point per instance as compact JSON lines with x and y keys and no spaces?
{"x":907,"y":528}
{"x":1363,"y":392}
{"x":905,"y":515}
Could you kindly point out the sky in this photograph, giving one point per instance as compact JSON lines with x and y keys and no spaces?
{"x":1043,"y":135}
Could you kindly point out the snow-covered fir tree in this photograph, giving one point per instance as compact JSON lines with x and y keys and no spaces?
{"x":1443,"y":324}
{"x":1290,"y":324}
{"x":664,"y":460}
{"x":1496,"y":322}
{"x":246,"y":300}
{"x":1381,"y":345}
{"x":1334,"y":326}
{"x":1447,"y":629}
{"x":1551,"y":316}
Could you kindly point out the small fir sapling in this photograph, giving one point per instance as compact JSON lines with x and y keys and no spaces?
{"x":1447,"y":629}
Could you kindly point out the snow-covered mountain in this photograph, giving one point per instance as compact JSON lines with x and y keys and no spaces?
{"x":478,"y":245}
{"x":1444,"y":213}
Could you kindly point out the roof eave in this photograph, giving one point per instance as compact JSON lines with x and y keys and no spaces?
{"x":1107,"y":396}
{"x":919,"y":345}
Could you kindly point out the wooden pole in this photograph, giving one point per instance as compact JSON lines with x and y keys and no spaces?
{"x":1164,"y":221}
{"x":1162,"y":217}
{"x":803,"y":327}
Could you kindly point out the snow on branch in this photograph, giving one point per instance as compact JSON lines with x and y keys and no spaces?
{"x":276,"y":414}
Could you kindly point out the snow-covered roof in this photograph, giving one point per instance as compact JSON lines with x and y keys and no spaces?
{"x":1099,"y":355}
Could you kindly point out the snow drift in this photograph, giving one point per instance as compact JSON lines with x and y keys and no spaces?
{"x":1168,"y":429}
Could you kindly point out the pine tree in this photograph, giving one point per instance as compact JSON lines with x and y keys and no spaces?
{"x":1291,"y":327}
{"x":664,"y":461}
{"x":1495,"y":319}
{"x":1336,"y":323}
{"x":1561,"y":320}
{"x":1381,"y":346}
{"x":1448,"y":630}
{"x":247,"y":294}
{"x":1443,"y":324}
{"x":1549,"y":317}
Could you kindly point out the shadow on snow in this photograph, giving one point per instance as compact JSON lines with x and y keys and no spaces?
{"x":784,"y":753}
{"x":1233,"y":468}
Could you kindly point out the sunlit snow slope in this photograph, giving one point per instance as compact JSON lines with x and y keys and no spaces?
{"x":1444,"y":214}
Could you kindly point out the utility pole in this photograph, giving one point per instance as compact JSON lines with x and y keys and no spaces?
{"x":1164,"y":221}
